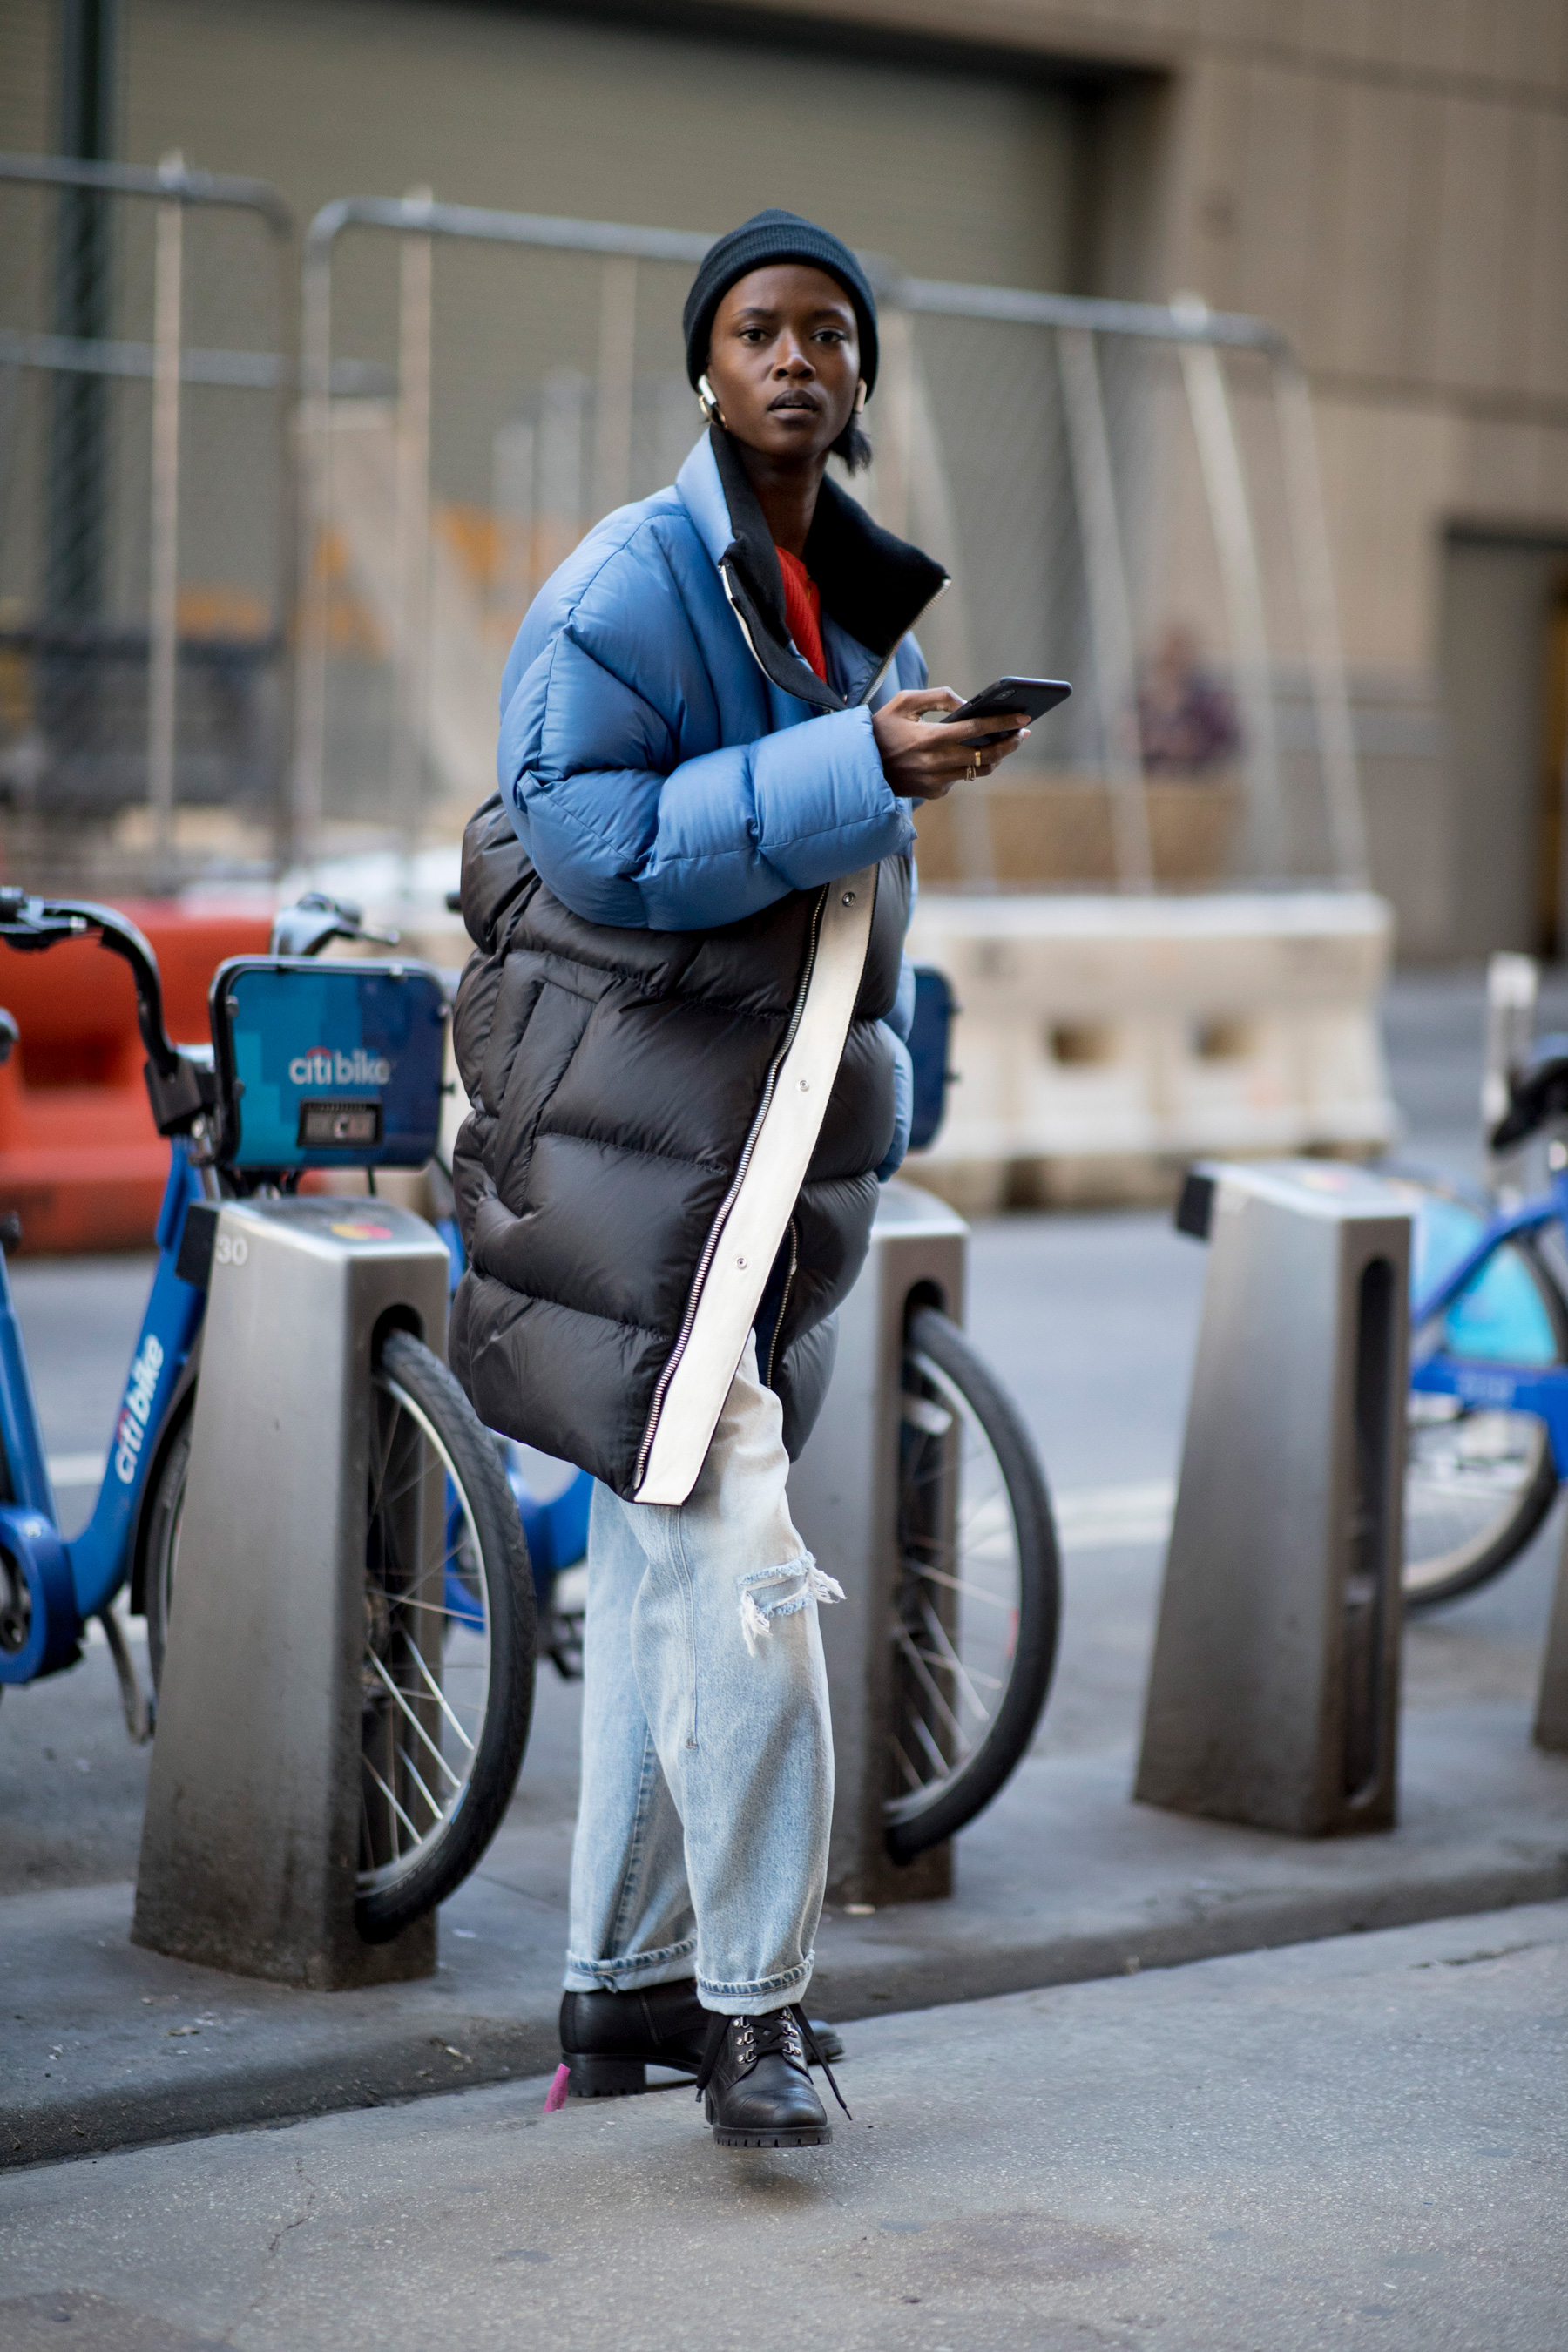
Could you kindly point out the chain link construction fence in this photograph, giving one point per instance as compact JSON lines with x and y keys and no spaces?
{"x":147,"y":319}
{"x":195,"y":666}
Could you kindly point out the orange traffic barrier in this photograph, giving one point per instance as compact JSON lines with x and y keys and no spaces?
{"x":81,"y":1161}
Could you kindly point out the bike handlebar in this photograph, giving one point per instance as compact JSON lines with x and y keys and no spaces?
{"x":179,"y":1088}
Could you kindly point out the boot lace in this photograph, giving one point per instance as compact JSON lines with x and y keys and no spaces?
{"x":784,"y":2032}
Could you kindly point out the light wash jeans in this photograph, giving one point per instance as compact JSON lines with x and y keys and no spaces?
{"x":701,"y":1844}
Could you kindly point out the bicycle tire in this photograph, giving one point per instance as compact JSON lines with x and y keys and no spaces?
{"x":937,"y":1357}
{"x":1431,"y":1577}
{"x":161,"y":1532}
{"x":496,"y":1598}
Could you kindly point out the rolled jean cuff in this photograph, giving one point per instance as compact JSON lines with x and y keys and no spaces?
{"x":761,"y":1995}
{"x":669,"y":1965}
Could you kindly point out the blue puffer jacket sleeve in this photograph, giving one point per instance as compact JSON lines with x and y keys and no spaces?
{"x":625,"y":829}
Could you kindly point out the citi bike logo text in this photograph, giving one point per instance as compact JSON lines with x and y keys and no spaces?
{"x":323,"y":1066}
{"x":137,"y":1410}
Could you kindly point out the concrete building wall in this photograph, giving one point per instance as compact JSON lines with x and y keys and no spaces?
{"x":545,"y":113}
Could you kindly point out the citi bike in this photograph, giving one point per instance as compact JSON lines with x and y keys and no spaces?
{"x":435,"y":1780}
{"x":1487,"y":1442}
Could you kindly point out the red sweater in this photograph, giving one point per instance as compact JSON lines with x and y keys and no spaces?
{"x":803,"y":610}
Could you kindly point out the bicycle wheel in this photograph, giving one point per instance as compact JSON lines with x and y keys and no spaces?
{"x":1477,"y":1481}
{"x":978,"y":1605}
{"x":448,"y":1668}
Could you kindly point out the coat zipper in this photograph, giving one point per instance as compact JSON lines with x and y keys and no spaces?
{"x":767,"y":1376}
{"x":715,"y":1230}
{"x":878,"y":674}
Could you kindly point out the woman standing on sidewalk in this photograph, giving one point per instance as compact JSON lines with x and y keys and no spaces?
{"x":681,"y":1038}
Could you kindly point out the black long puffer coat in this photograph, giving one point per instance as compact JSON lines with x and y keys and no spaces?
{"x":625,"y":1089}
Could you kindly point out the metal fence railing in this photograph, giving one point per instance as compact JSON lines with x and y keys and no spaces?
{"x":146,"y":512}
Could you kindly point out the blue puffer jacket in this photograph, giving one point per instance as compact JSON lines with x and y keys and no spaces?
{"x":662,"y":766}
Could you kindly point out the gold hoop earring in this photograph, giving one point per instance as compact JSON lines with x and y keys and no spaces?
{"x":708,"y":402}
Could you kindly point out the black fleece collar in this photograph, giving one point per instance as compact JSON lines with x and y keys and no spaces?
{"x":875,"y":586}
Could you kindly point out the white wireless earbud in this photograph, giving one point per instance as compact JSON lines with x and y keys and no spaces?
{"x":708,"y":402}
{"x":859,"y":395}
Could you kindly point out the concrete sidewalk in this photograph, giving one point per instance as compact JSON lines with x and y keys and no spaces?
{"x":1359,"y":2141}
{"x":1061,"y":1881}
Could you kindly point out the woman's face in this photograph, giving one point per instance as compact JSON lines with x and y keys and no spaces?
{"x":784,"y":360}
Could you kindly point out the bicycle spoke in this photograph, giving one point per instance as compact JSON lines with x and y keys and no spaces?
{"x":441,"y":1608}
{"x":378,"y":1475}
{"x":944,"y":1662}
{"x":938,"y":1632}
{"x":902,"y":1761}
{"x":393,"y":1693}
{"x":436,"y":1811}
{"x":962,"y":1585}
{"x":940,"y":1763}
{"x":434,"y":1687}
{"x":391,"y":1800}
{"x":908,"y":1649}
{"x":416,"y":1478}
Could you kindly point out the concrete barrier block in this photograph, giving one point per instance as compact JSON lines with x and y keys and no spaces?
{"x":1100,"y":1042}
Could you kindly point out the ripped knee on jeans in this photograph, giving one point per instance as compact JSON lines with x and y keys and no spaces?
{"x":808,"y":1583}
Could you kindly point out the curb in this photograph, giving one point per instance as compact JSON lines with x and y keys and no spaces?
{"x":856,"y":1978}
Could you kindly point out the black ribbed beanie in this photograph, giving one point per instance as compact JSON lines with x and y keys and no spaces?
{"x":774,"y":236}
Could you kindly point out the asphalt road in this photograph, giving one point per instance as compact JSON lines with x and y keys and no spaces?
{"x":1355,"y":2142}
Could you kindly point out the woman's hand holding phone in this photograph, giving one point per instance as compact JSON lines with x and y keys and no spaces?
{"x":923,"y":762}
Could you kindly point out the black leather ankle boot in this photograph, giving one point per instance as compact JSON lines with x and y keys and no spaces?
{"x":754,"y":2085}
{"x":608,"y":2039}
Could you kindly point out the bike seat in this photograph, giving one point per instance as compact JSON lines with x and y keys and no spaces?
{"x":1537,"y":1091}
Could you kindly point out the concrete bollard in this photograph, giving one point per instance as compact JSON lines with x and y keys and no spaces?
{"x":843,"y":1496}
{"x":250,"y":1845}
{"x":1274,"y":1693}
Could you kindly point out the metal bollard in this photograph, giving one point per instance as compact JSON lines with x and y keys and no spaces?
{"x":250,"y":1845}
{"x":843,"y":1494}
{"x":1274,"y":1693}
{"x":1552,"y":1705}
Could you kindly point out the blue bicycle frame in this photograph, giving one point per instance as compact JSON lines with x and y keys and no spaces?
{"x":1497,"y":1350}
{"x":67,"y":1584}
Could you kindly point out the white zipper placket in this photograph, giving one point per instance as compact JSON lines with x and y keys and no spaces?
{"x":716,"y":1230}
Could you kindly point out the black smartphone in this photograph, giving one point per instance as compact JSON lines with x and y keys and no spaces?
{"x":1035,"y":695}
